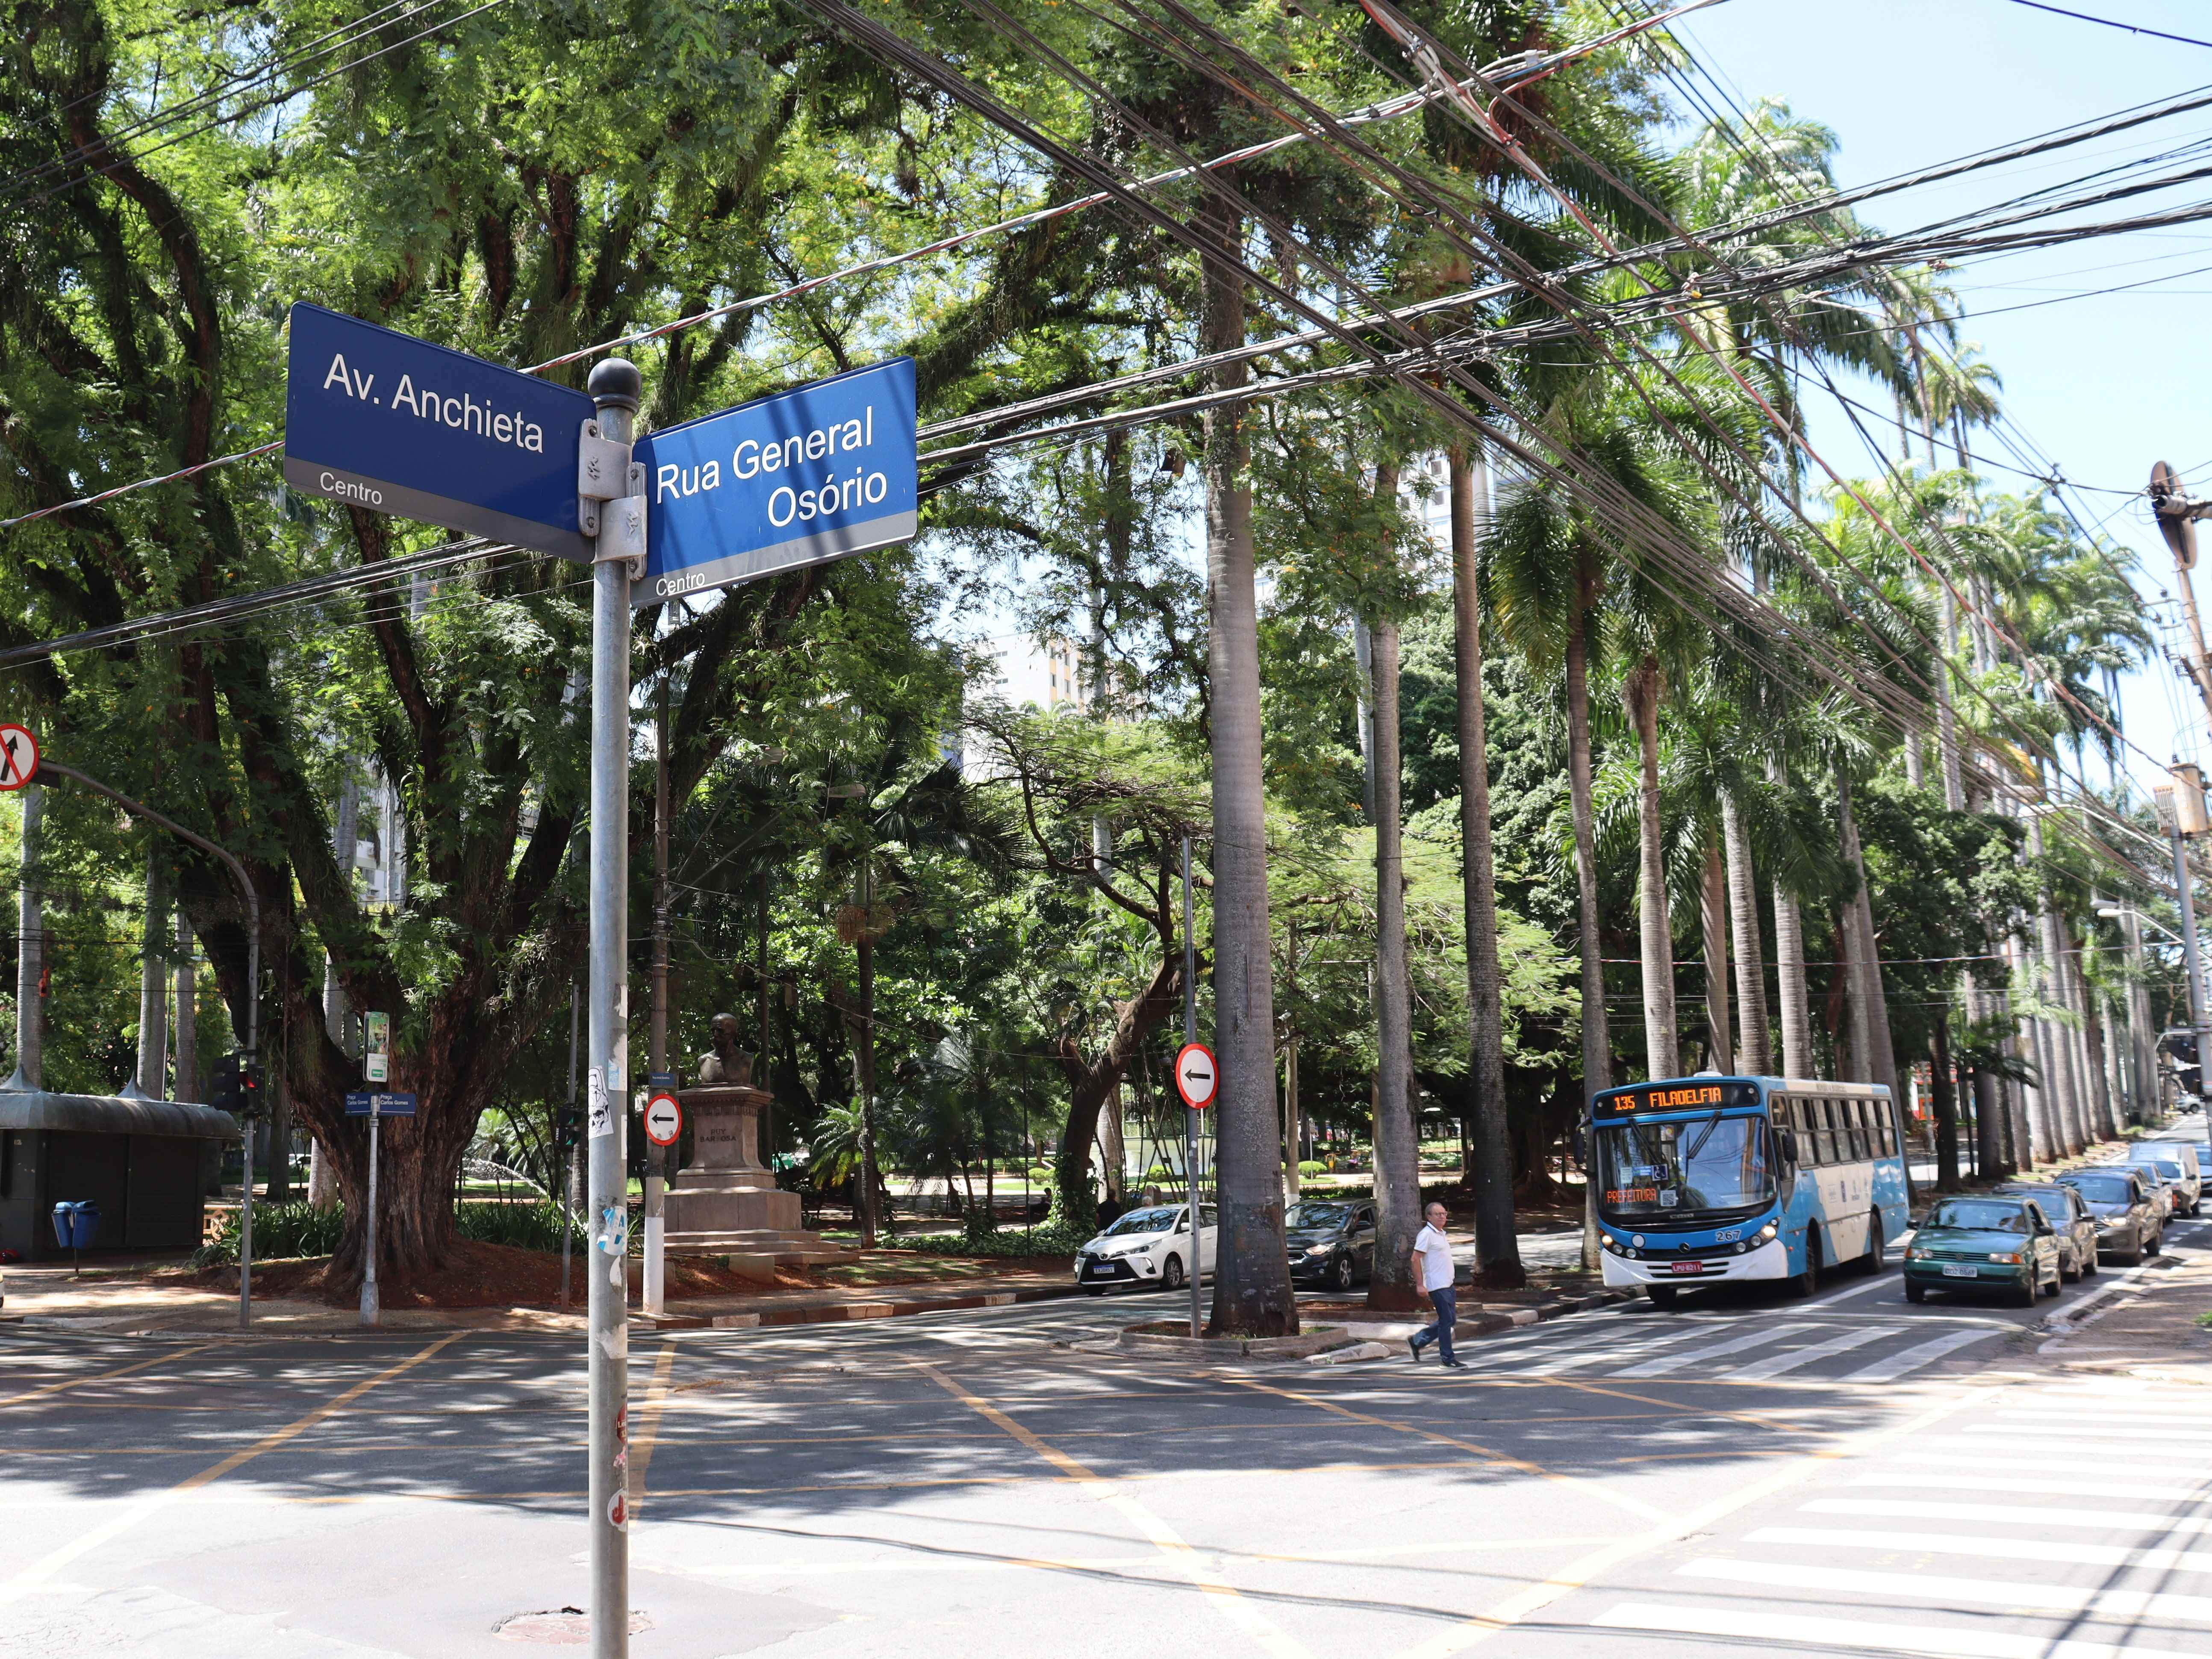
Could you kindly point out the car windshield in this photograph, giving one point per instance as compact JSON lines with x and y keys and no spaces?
{"x":1683,"y":1170}
{"x":2170,"y":1168}
{"x":2102,"y":1189}
{"x":1311,"y":1214}
{"x":1144,"y":1221}
{"x":1979,"y":1215}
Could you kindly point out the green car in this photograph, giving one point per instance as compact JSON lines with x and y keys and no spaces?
{"x":1984,"y":1244}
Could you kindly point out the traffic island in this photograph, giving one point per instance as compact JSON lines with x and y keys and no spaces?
{"x":1173,"y":1336}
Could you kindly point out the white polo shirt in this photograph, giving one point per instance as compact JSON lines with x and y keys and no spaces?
{"x":1435,"y":1259}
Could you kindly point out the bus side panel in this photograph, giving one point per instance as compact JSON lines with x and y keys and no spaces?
{"x":1801,"y":1208}
{"x":1889,"y":1198}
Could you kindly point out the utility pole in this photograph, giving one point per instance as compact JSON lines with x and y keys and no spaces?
{"x":1189,"y":1113}
{"x":657,"y":1157}
{"x":2177,"y":515}
{"x":614,"y":386}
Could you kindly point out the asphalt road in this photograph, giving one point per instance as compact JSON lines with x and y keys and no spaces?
{"x":1845,"y":1474}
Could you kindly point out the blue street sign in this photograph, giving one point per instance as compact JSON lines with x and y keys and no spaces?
{"x":388,"y":421}
{"x":794,"y":479}
{"x":660,"y":1079}
{"x":394,"y":1105}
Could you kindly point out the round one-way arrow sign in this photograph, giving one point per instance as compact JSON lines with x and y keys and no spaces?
{"x":1196,"y":1076}
{"x":664,"y":1120}
{"x":19,"y":757}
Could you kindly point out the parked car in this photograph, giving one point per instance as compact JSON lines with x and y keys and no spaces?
{"x":2164,"y":1195}
{"x":2178,"y":1162}
{"x":2129,"y":1224}
{"x":1146,"y":1247}
{"x":2002,"y":1243}
{"x":2067,"y":1211}
{"x":1332,"y":1241}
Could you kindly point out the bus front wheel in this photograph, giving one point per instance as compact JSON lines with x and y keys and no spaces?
{"x":1808,"y":1281}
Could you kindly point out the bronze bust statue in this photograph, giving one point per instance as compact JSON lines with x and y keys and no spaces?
{"x":727,"y":1063}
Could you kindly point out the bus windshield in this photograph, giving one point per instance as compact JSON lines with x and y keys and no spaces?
{"x":1683,"y":1171}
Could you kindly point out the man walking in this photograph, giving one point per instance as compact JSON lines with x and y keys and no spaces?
{"x":1433,"y":1272}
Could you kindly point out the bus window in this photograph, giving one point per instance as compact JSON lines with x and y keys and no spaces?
{"x":1885,"y":1131}
{"x":1855,"y":1125}
{"x":1824,"y":1133}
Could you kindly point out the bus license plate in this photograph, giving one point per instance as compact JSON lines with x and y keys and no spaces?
{"x":1686,"y":1267}
{"x":1954,"y":1271}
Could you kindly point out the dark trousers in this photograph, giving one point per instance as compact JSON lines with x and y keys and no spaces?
{"x":1447,"y":1306}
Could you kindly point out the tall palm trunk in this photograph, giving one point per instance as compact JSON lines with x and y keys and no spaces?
{"x":1661,"y":1049}
{"x":1789,"y":976}
{"x":1713,"y":923}
{"x":1754,"y":1042}
{"x":1597,"y":1042}
{"x":1397,"y":1139}
{"x":1866,"y":954}
{"x":1946,"y":1102}
{"x":1252,"y":1292}
{"x":2056,"y":1039}
{"x":1497,"y":1250}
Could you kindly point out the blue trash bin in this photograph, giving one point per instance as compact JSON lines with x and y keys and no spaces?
{"x":65,"y":1224}
{"x":88,"y":1224}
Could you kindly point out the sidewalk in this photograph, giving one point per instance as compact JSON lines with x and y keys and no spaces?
{"x":46,"y":1295}
{"x":2145,"y":1323}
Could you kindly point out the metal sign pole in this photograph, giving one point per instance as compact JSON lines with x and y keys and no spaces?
{"x":1189,"y":1113}
{"x":372,"y":1307}
{"x":615,"y":386}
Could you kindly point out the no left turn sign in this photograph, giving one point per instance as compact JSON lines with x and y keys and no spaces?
{"x":664,"y":1120}
{"x":19,"y":757}
{"x":1196,"y":1076}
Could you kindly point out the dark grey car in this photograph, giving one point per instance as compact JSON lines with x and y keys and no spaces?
{"x":2130,"y":1225}
{"x":2067,"y":1211}
{"x":1332,"y":1240}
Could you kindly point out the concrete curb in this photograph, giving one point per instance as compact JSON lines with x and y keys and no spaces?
{"x":1303,"y":1345}
{"x":838,"y":1313}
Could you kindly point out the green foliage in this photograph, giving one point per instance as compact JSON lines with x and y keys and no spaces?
{"x":301,"y":1229}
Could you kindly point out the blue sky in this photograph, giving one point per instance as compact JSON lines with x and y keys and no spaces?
{"x":2103,"y":386}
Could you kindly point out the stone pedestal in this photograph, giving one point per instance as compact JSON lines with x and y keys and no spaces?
{"x":726,"y":1202}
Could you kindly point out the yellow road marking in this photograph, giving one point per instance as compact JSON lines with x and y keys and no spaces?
{"x":1595,"y":1489}
{"x":647,"y":1431}
{"x":29,"y":1395}
{"x":43,"y":1569}
{"x":1225,"y":1595}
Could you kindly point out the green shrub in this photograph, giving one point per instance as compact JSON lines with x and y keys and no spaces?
{"x":1312,"y":1167}
{"x":300,"y":1229}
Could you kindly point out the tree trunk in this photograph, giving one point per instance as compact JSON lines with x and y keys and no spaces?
{"x":1292,"y":1139}
{"x":1870,"y":1004}
{"x":1597,"y":1044}
{"x":1252,"y":1294}
{"x":1662,"y":1047}
{"x":1753,"y":1038}
{"x":1945,"y":1098}
{"x":2059,"y":1056}
{"x":1488,"y":1171}
{"x":1397,"y":1130}
{"x":1989,"y":1136}
{"x":1092,"y":1080}
{"x":1713,"y":922}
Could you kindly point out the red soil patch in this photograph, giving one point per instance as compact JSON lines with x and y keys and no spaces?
{"x":477,"y":1275}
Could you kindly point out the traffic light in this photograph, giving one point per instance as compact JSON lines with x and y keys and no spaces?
{"x":567,"y":1126}
{"x":237,"y":1084}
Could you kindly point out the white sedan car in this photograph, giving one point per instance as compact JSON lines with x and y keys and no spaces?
{"x":1148,"y":1247}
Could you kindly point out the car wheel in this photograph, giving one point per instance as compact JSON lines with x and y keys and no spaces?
{"x":2089,"y":1263}
{"x":1171,"y":1273}
{"x":2065,"y":1277}
{"x":1915,"y":1293}
{"x":2024,"y":1296}
{"x":1340,"y":1273}
{"x":2157,"y":1243}
{"x":1663,"y":1296}
{"x":2057,"y":1285}
{"x":1806,"y":1283}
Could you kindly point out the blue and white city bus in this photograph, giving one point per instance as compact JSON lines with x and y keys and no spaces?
{"x":1705,"y":1179}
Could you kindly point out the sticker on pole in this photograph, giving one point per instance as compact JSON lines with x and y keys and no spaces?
{"x":664,"y":1120}
{"x":19,"y":757}
{"x":1196,"y":1076}
{"x":596,"y":1116}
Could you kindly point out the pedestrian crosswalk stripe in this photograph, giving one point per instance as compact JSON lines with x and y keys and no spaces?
{"x":1608,"y":1348}
{"x":1911,"y":1359}
{"x":2012,"y":1513}
{"x":1975,"y":1592}
{"x":1982,"y":1456}
{"x":1940,"y":1641}
{"x":2059,"y":1486}
{"x":2137,"y":1421}
{"x":1994,"y":1549}
{"x":1675,"y":1362}
{"x":1775,"y":1364}
{"x":2194,"y":1438}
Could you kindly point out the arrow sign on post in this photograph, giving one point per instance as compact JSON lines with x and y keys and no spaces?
{"x":804,"y":477}
{"x":382,"y":420}
{"x":1195,"y":1075}
{"x":664,"y":1120}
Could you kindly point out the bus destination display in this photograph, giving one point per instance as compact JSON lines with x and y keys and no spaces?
{"x":1664,"y":1098}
